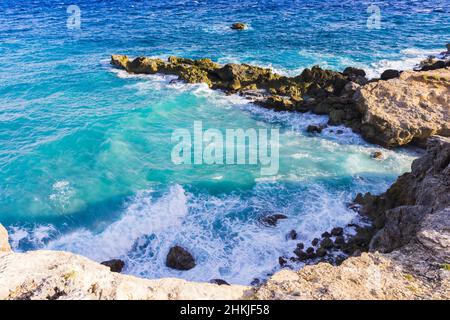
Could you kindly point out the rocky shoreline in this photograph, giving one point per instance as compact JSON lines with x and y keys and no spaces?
{"x":408,"y":256}
{"x":404,"y":254}
{"x":384,"y":111}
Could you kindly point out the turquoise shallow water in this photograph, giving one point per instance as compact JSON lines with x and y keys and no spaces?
{"x":85,"y":149}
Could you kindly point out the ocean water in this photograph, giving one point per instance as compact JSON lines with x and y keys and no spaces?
{"x":85,"y":149}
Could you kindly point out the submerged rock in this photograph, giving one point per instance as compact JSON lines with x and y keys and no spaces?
{"x":180,"y":259}
{"x":115,"y":265}
{"x":292,"y":235}
{"x":272,"y":220}
{"x":314,"y":128}
{"x":378,"y":155}
{"x":315,"y":242}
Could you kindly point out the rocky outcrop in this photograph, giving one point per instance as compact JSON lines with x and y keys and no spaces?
{"x":4,"y":244}
{"x":263,"y":86}
{"x":369,"y":276}
{"x":409,"y":255}
{"x":56,"y":275}
{"x":424,"y":193}
{"x":115,"y":265}
{"x":404,"y":110}
{"x":180,"y":259}
{"x":409,"y":249}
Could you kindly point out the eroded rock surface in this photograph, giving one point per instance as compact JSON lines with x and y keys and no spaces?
{"x":408,"y":109}
{"x":4,"y":244}
{"x":61,"y":275}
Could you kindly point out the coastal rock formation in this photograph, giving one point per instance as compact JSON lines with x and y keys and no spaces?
{"x":61,"y":275}
{"x":414,"y":201}
{"x":409,"y":258}
{"x":369,"y":276}
{"x":115,"y":265}
{"x":390,"y":74}
{"x":4,"y":244}
{"x":404,"y":110}
{"x":410,"y":251}
{"x":180,"y":259}
{"x":263,"y":86}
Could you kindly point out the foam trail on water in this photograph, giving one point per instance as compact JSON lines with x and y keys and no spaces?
{"x":143,"y":216}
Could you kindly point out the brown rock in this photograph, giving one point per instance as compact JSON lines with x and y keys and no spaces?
{"x":390,"y":74}
{"x":392,"y":112}
{"x":180,"y":259}
{"x":238,"y":26}
{"x":4,"y":244}
{"x":115,"y":265}
{"x":378,"y":155}
{"x":338,"y":231}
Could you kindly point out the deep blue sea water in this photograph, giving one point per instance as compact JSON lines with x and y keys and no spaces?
{"x":85,"y":149}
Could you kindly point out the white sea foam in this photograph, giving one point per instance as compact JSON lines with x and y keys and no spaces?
{"x":226,"y":242}
{"x":411,"y":57}
{"x":142,"y":217}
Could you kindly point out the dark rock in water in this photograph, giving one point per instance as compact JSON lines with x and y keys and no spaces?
{"x":180,"y":259}
{"x":219,"y":282}
{"x":390,"y":74}
{"x":354,"y":71}
{"x":255,"y":282}
{"x":338,"y":231}
{"x":321,"y":252}
{"x":300,"y":245}
{"x":326,"y":243}
{"x":339,"y":259}
{"x":272,"y":220}
{"x":302,"y":255}
{"x":314,"y":128}
{"x":339,"y":131}
{"x":238,"y":26}
{"x":292,"y":235}
{"x":115,"y":265}
{"x":282,"y":261}
{"x":315,"y":242}
{"x":378,"y":155}
{"x":339,"y":241}
{"x":310,"y":250}
{"x":326,"y":234}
